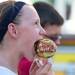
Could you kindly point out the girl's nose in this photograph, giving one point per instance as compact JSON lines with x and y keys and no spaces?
{"x":42,"y":31}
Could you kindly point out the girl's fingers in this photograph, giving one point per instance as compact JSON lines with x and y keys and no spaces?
{"x":51,"y":73}
{"x":45,"y":69}
{"x":33,"y":67}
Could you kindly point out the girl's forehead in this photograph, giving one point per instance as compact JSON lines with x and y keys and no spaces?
{"x":29,"y":12}
{"x":29,"y":9}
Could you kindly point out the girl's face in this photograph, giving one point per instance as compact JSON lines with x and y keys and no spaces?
{"x":29,"y":31}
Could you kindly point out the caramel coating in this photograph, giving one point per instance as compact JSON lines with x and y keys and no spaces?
{"x":45,"y":48}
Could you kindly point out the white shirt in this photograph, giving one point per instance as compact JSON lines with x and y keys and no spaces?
{"x":6,"y":71}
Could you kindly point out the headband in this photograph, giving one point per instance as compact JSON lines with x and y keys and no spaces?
{"x":9,"y":16}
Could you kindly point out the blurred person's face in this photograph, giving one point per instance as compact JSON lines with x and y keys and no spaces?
{"x":53,"y":32}
{"x":29,"y":30}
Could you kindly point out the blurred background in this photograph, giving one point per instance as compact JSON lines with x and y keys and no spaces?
{"x":64,"y":59}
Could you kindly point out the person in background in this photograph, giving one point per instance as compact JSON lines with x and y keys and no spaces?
{"x":19,"y":29}
{"x":52,"y":22}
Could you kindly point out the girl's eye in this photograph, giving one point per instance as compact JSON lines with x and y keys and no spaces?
{"x":36,"y":23}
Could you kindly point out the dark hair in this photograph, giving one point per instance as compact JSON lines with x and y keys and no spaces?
{"x":48,"y":15}
{"x":9,"y":12}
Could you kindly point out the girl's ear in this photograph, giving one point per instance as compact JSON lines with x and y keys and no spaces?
{"x":12,"y":30}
